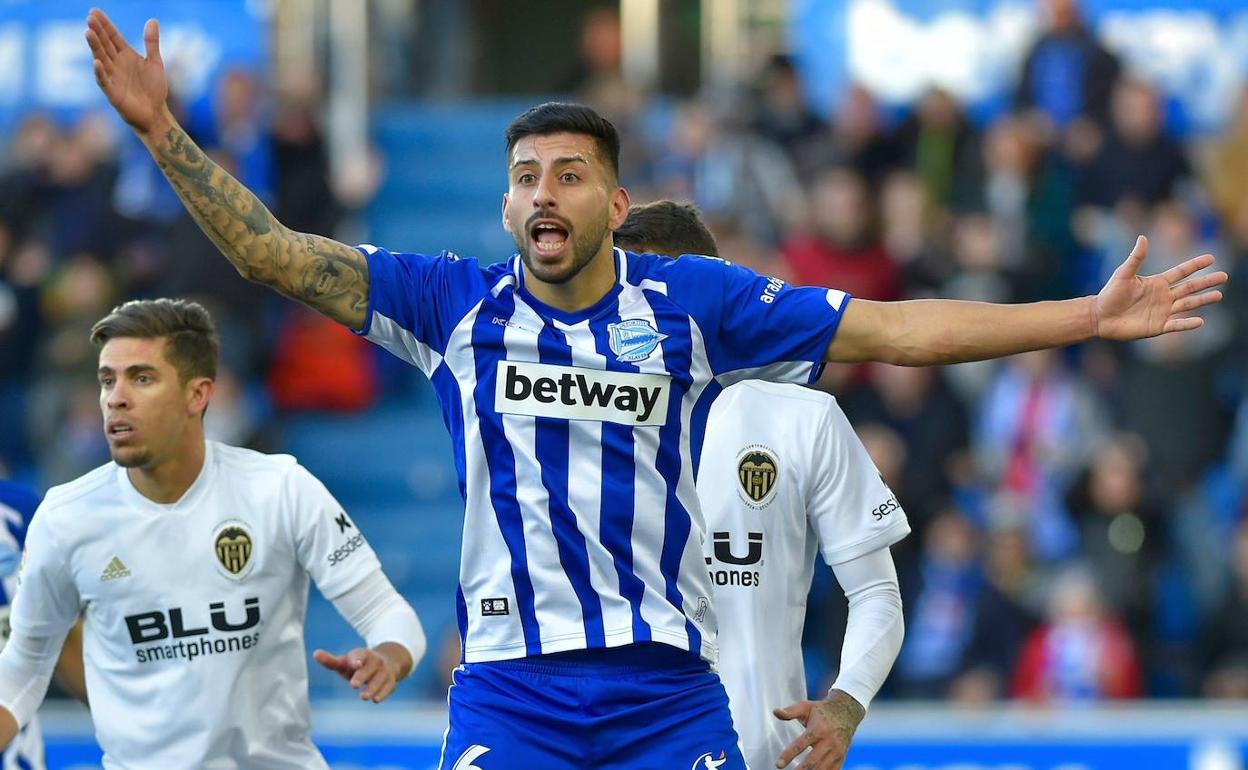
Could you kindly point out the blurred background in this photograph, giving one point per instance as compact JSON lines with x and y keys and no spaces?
{"x":1079,"y":516}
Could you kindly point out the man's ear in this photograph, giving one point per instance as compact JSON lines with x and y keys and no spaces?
{"x":620,"y":203}
{"x":506,"y":224}
{"x":199,"y":393}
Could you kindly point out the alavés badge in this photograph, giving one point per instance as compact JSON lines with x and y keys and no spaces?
{"x":233,"y":546}
{"x":757,"y":474}
{"x":634,"y":339}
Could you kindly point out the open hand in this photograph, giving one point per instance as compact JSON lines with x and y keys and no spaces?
{"x":134,"y":85}
{"x":830,"y":725}
{"x":363,"y":668}
{"x":1131,"y":306}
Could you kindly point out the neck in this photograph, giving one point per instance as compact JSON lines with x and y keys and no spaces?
{"x":166,"y":481}
{"x":583,"y":289}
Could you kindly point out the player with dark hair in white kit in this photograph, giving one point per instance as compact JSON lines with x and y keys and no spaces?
{"x":783,"y":478}
{"x":190,"y":562}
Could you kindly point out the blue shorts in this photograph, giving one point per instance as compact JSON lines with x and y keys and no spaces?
{"x":640,"y":707}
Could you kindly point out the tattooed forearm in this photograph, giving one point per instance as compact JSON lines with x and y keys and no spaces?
{"x":326,"y":275}
{"x":843,"y":713}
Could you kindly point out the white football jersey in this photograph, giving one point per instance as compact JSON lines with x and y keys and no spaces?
{"x":193,"y":640}
{"x":783,"y":477}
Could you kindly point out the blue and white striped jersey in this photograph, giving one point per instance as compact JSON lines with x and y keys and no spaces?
{"x":577,"y":435}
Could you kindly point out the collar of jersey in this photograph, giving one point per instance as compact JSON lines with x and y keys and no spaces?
{"x":188,"y":498}
{"x":603,"y":305}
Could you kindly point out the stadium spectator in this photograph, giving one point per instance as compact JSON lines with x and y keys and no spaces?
{"x":843,"y":248}
{"x":1067,"y":73}
{"x":1081,"y":653}
{"x":1224,"y":638}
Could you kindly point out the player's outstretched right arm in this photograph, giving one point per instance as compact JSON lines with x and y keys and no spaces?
{"x":329,"y":277}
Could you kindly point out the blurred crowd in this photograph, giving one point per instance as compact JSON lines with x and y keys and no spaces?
{"x":1078,"y":515}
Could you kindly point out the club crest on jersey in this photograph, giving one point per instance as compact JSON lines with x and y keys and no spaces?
{"x":233,"y":546}
{"x":757,"y":472}
{"x":634,"y":339}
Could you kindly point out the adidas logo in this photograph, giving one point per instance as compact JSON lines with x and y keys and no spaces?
{"x":115,"y":569}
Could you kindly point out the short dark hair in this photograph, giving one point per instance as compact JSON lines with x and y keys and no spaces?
{"x":191,"y":339}
{"x":565,"y":117}
{"x":668,"y":228}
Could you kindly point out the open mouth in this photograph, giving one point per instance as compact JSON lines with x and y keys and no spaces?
{"x":119,"y":430}
{"x":548,"y":237}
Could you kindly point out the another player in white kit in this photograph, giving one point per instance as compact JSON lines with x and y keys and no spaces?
{"x":191,"y":560}
{"x":783,"y":478}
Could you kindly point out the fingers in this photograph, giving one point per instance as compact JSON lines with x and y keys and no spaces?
{"x":110,"y":38}
{"x":333,"y":662}
{"x":151,"y":40}
{"x":103,"y":47}
{"x":1184,"y":269}
{"x":1199,"y":284}
{"x":1188,"y":304}
{"x":374,"y":677}
{"x":799,"y":711}
{"x":821,"y":758}
{"x":791,"y":752}
{"x":1182,"y":325}
{"x":1136,"y":258}
{"x":99,"y":49}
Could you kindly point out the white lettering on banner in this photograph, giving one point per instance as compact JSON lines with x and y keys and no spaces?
{"x":575,"y":393}
{"x":12,"y":61}
{"x":64,"y":77}
{"x":1191,"y":51}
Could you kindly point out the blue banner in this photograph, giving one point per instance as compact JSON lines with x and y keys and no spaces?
{"x":45,"y":64}
{"x":1195,"y":51}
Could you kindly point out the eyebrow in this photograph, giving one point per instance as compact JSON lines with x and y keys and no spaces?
{"x":578,"y":158}
{"x":132,"y":369}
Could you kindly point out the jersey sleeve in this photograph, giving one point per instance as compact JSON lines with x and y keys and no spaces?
{"x":330,"y":548}
{"x":415,"y":301}
{"x":47,"y":601}
{"x":755,"y":326}
{"x":851,"y":509}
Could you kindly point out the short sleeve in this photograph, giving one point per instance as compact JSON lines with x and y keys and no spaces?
{"x":47,"y":601}
{"x":330,"y":547}
{"x":851,"y":509}
{"x":755,"y":326}
{"x":415,"y":301}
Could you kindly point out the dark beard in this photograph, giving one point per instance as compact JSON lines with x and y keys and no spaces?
{"x":584,"y":247}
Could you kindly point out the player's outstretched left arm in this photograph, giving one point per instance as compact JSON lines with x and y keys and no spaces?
{"x":830,"y":725}
{"x":374,"y":672}
{"x":935,"y":331}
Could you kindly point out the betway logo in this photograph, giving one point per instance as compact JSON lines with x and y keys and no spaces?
{"x":573,"y":393}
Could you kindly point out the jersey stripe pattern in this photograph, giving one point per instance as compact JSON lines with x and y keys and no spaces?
{"x":576,"y":435}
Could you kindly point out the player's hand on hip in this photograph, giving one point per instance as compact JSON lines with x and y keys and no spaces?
{"x":1131,"y":306}
{"x":135,"y":85}
{"x":830,"y":725}
{"x":367,"y":670}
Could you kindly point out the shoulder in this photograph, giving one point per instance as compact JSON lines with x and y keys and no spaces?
{"x":641,"y":267}
{"x":101,"y":481}
{"x":787,"y":396}
{"x":255,"y":469}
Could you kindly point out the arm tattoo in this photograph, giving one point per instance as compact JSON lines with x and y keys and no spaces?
{"x":843,"y":713}
{"x":328,"y":276}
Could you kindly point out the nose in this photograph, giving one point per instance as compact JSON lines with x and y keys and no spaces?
{"x":544,"y":194}
{"x":118,"y":397}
